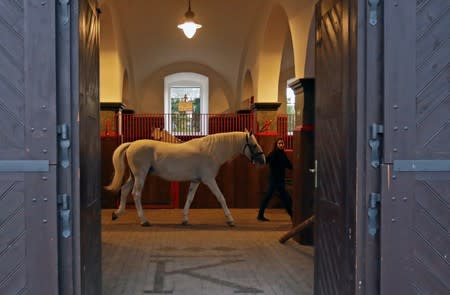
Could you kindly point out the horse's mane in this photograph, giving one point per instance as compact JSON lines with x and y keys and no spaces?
{"x":222,"y":145}
{"x":225,"y":137}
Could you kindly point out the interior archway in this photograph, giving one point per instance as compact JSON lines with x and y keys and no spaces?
{"x":287,"y":72}
{"x":111,"y":78}
{"x":247,"y":91}
{"x":270,"y":56}
{"x":125,"y":90}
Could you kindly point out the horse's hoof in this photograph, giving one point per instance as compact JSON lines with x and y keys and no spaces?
{"x":146,"y":224}
{"x":185,"y":222}
{"x":231,"y":224}
{"x":114,"y":216}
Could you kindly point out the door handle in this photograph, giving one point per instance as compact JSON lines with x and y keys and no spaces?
{"x":314,"y":170}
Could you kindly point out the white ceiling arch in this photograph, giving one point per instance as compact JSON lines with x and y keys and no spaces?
{"x":148,"y":38}
{"x":271,"y":54}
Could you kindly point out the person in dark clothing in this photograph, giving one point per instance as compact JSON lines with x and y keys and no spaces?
{"x":278,"y":162}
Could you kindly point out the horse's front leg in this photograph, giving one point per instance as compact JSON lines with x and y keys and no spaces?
{"x":190,"y":197}
{"x":124,"y":192}
{"x":212,"y":184}
{"x":137,"y":193}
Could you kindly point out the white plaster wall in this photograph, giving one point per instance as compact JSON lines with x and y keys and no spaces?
{"x":111,"y":69}
{"x":152,"y":88}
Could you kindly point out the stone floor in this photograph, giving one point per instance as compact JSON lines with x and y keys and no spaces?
{"x":207,"y":257}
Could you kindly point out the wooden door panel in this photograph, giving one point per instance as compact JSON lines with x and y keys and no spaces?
{"x":415,"y":203}
{"x":13,"y":236}
{"x":330,"y":164}
{"x":28,"y":200}
{"x":89,"y":148}
{"x":334,"y":151}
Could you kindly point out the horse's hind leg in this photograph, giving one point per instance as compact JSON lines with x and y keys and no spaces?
{"x":137,"y":192}
{"x":212,"y":184}
{"x":192,"y":189}
{"x":124,"y":192}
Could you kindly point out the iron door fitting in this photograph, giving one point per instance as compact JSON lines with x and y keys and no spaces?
{"x":65,"y":215}
{"x":64,"y":145}
{"x":24,"y":166}
{"x":373,"y":11}
{"x":373,"y":212}
{"x":422,"y":165}
{"x":376,"y":131}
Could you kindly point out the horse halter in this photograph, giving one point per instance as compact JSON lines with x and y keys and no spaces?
{"x":254,"y":154}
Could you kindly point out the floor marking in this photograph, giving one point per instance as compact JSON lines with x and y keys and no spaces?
{"x":161,"y":273}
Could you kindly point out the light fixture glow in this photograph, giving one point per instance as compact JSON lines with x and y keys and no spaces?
{"x":189,"y":26}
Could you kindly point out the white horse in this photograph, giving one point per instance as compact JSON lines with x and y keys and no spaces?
{"x":197,"y":160}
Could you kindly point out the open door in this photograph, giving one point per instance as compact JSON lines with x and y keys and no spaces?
{"x":49,"y":109}
{"x":78,"y":115}
{"x":415,"y":196}
{"x":89,"y":148}
{"x":28,"y":149}
{"x":335,"y":149}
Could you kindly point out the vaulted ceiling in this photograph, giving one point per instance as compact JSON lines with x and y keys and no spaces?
{"x":143,"y":34}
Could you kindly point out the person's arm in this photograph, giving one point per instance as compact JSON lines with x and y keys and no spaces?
{"x":288,"y":162}
{"x":269,"y":158}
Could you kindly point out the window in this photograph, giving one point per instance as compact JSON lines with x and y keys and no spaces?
{"x":185,"y":102}
{"x":185,"y":109}
{"x":290,"y":106}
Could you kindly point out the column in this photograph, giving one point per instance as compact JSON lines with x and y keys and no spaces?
{"x":303,"y":156}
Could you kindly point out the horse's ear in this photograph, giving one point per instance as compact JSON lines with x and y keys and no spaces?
{"x":251,"y":132}
{"x":246,"y":130}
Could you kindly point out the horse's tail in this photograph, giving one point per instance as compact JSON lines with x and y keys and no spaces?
{"x":120,"y":167}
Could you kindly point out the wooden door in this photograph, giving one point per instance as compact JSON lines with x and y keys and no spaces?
{"x":89,"y":147}
{"x":78,"y":115}
{"x":335,"y":127}
{"x":28,"y":149}
{"x":415,"y":199}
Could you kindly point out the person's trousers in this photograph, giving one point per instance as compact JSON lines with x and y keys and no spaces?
{"x":283,"y":194}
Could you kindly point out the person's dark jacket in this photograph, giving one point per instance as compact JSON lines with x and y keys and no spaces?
{"x":278,"y":162}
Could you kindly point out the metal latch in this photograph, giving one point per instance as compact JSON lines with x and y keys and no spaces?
{"x":373,"y":11}
{"x":64,"y":145}
{"x":374,"y":143}
{"x":65,"y":216}
{"x":374,"y":200}
{"x":314,"y":170}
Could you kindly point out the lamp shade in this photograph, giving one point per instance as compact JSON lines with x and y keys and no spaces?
{"x":189,"y":28}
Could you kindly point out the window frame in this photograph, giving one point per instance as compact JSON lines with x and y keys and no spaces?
{"x":187,"y":80}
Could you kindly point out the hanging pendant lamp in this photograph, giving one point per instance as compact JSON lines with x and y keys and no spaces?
{"x":189,"y":26}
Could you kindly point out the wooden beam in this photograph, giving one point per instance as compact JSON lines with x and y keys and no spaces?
{"x":297,"y":229}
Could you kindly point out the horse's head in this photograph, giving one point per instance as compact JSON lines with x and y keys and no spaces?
{"x":252,"y":150}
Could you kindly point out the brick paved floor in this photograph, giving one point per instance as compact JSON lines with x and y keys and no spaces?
{"x":207,"y":257}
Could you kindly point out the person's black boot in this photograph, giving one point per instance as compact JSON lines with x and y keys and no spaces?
{"x":262,"y":218}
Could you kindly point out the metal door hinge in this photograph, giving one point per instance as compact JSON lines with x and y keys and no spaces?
{"x":373,"y":11}
{"x":374,"y":200}
{"x":374,"y":142}
{"x":64,"y":145}
{"x":65,"y":216}
{"x":65,"y":11}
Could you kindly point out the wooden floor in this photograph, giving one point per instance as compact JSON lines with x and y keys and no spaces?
{"x":207,"y":257}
